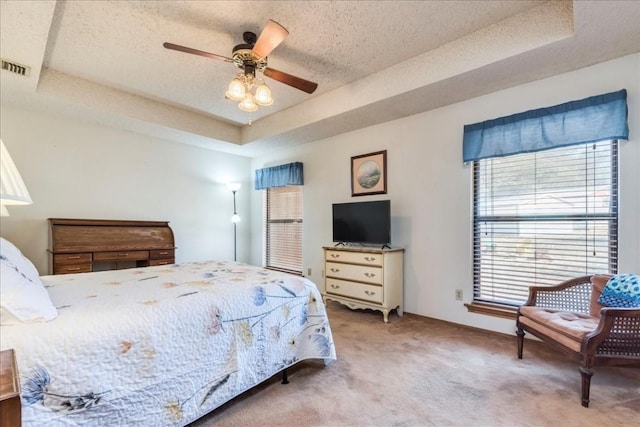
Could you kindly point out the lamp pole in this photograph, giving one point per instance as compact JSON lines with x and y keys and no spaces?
{"x":235,"y":218}
{"x":235,"y":215}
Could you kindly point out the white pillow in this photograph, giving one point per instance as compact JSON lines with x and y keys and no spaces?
{"x":7,"y":318}
{"x":22,"y":294}
{"x":14,"y":255}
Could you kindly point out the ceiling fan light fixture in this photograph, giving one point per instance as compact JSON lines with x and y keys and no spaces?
{"x":251,"y":56}
{"x":263,"y":95}
{"x":247,"y":104}
{"x":236,"y":90}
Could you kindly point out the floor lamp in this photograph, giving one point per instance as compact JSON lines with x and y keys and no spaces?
{"x":235,"y":218}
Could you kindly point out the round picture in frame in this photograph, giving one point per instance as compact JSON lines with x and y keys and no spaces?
{"x":369,"y":174}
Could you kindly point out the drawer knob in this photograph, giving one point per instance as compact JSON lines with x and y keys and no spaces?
{"x":73,"y":257}
{"x":335,"y":286}
{"x":370,"y":274}
{"x":370,"y":259}
{"x":335,"y":255}
{"x":123,"y":255}
{"x":164,"y":253}
{"x":370,"y":293}
{"x":73,"y":269}
{"x":335,"y":270}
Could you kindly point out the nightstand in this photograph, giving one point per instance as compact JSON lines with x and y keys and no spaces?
{"x":10,"y":407}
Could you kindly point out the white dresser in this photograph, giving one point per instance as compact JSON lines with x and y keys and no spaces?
{"x":364,"y":278}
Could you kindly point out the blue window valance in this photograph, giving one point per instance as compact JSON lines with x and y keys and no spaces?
{"x":279,"y":176}
{"x":597,"y":118}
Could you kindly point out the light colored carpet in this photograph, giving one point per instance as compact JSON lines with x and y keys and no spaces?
{"x":415,"y":371}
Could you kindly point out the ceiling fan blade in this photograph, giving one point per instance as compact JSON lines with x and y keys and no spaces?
{"x":288,"y":79}
{"x":272,"y":35}
{"x":195,"y":52}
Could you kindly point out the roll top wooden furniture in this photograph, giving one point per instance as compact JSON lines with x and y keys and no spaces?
{"x":81,"y":245}
{"x":569,"y":317}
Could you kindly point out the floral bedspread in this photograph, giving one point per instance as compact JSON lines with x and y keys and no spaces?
{"x":161,"y":346}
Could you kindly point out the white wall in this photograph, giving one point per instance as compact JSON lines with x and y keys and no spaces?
{"x":80,"y":170}
{"x":430,"y":188}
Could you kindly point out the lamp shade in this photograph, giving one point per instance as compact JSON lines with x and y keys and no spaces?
{"x":247,"y":104}
{"x":236,"y":90}
{"x":234,"y":186}
{"x":12,"y":188}
{"x":263,"y":95}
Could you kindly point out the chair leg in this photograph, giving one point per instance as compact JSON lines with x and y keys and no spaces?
{"x":586,"y":374}
{"x":520,"y":334}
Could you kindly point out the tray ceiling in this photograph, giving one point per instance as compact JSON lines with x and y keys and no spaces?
{"x":374,"y":61}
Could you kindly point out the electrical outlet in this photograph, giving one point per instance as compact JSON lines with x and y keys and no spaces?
{"x":459,"y":294}
{"x":308,"y":272}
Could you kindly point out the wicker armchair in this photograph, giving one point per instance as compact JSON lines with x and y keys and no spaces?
{"x":569,"y":317}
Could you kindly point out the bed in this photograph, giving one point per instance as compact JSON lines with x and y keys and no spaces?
{"x":155,"y":346}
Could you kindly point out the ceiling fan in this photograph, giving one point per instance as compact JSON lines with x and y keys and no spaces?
{"x":251,"y":56}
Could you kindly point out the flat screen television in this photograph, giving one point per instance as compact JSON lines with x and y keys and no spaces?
{"x":362,"y":222}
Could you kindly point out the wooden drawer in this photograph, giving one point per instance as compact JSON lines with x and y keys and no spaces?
{"x":120,"y":256}
{"x":10,"y":408}
{"x":80,"y":258}
{"x":153,"y":262}
{"x":162,"y":254}
{"x":355,"y":290}
{"x":363,"y":258}
{"x":360,"y":273}
{"x":71,"y":268}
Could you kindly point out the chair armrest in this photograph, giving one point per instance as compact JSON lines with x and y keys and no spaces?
{"x":607,"y":312}
{"x":570,"y":295}
{"x":618,"y":333}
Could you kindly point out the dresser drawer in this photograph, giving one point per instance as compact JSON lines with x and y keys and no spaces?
{"x":360,"y":273}
{"x":162,"y":253}
{"x":153,"y":262}
{"x":120,"y":255}
{"x":80,"y":258}
{"x":360,"y":291}
{"x":363,"y":258}
{"x":71,"y":268}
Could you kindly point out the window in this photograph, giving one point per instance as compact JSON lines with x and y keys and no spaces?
{"x":543,"y":217}
{"x":283,"y":228}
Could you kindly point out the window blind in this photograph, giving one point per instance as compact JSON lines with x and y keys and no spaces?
{"x":541,"y":218}
{"x":283,"y":228}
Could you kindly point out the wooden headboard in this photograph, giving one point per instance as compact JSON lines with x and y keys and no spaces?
{"x":79,"y":245}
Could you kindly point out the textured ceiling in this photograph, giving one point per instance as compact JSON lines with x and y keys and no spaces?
{"x":374,"y":61}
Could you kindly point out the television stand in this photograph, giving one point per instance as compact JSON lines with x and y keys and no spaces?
{"x":383,"y":247}
{"x":364,"y":278}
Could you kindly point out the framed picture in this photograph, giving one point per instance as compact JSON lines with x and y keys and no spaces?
{"x":369,"y":174}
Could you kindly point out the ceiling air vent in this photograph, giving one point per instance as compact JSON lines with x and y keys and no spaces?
{"x":16,"y":68}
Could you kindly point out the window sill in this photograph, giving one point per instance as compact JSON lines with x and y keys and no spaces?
{"x":492,"y":310}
